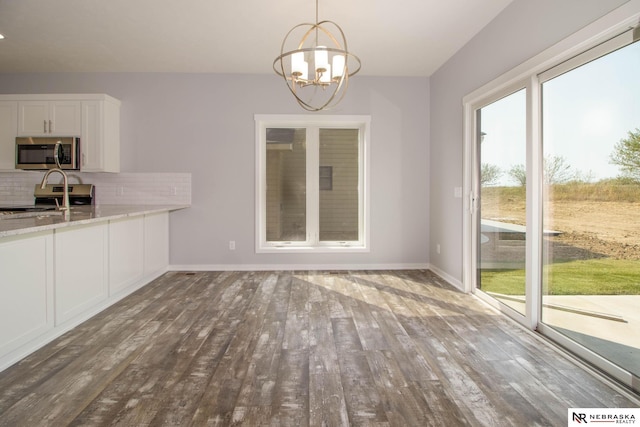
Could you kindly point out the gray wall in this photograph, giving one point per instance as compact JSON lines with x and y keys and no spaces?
{"x":524,"y":29}
{"x":204,"y":124}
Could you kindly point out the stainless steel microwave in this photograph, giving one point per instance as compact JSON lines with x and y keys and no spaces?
{"x":42,"y":152}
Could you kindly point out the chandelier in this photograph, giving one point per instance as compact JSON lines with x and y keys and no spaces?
{"x":318,"y":68}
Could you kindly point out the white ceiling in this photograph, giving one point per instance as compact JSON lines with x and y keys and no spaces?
{"x":392,"y":38}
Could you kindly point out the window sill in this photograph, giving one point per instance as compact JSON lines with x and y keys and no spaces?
{"x":312,"y":249}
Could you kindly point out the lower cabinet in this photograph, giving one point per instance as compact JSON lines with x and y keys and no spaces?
{"x":53,"y":280}
{"x":126,"y":252}
{"x":138,"y":251}
{"x":156,"y":244}
{"x":80,"y":273}
{"x":26,"y":286}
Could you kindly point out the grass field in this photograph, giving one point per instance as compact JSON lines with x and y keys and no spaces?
{"x":585,"y":277}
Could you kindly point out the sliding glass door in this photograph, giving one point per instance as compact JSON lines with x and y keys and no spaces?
{"x":555,"y":202}
{"x":501,"y":128}
{"x":591,"y":249}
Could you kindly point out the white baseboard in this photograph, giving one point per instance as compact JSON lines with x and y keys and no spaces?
{"x":450,"y":279}
{"x":288,"y":267}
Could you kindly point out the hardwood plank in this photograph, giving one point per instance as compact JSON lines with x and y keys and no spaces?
{"x":291,"y":400}
{"x":364,"y":403}
{"x":440,"y":408}
{"x":401,"y":404}
{"x":226,"y":381}
{"x":327,"y":404}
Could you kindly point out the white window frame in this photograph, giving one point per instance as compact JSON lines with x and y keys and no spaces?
{"x":312,"y":124}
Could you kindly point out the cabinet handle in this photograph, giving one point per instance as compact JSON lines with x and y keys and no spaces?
{"x":45,"y":126}
{"x":84,"y":159}
{"x":50,"y":126}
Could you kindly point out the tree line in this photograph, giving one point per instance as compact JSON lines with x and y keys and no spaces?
{"x":626,"y":155}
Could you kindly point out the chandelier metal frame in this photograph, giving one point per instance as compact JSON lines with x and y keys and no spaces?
{"x":321,"y":76}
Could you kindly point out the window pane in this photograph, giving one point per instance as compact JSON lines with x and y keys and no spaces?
{"x":591,"y":285}
{"x":338,"y":177}
{"x":286,"y":213}
{"x":502,"y":244}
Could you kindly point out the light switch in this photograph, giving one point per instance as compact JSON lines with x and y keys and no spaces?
{"x":457,"y":192}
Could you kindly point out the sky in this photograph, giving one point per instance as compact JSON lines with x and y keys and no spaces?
{"x":586,"y":111}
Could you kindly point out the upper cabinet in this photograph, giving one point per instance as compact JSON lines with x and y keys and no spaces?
{"x":100,"y":138}
{"x":8,"y":133}
{"x":49,"y":118}
{"x":95,"y":118}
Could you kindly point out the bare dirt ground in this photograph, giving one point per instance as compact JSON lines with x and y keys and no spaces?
{"x":601,"y":229}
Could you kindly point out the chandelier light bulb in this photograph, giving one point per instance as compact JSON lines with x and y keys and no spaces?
{"x":298,"y":64}
{"x":337,"y":68}
{"x":322,"y":59}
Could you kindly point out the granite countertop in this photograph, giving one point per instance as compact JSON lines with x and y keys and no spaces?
{"x":79,"y":215}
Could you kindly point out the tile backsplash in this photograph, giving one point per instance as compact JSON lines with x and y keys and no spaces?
{"x":110,"y":189}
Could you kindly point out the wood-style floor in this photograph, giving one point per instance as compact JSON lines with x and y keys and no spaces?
{"x":383,"y":348}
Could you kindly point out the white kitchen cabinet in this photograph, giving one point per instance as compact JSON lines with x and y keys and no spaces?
{"x":138,"y":251}
{"x":95,"y":118}
{"x":26,"y":286}
{"x":8,"y":133}
{"x":49,"y":118}
{"x":126,"y":252}
{"x":80,"y":269}
{"x":100,"y":140}
{"x":156,"y":244}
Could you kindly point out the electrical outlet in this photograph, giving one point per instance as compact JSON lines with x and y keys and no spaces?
{"x":232,"y":245}
{"x":173,"y":190}
{"x":438,"y":248}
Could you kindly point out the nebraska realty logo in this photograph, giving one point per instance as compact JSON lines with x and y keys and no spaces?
{"x":600,"y":416}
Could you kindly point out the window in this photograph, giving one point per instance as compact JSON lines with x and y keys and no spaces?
{"x":312,"y":183}
{"x":326,"y":178}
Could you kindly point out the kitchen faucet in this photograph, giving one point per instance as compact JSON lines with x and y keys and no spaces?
{"x":65,"y":198}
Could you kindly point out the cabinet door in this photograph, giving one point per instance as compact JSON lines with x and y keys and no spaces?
{"x":33,"y":118}
{"x":44,"y":118}
{"x":125,"y":253}
{"x":81,"y":259}
{"x":65,"y":118}
{"x":92,"y":159}
{"x":100,"y":139}
{"x":156,"y":244}
{"x":8,"y":133}
{"x":26,"y":286}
